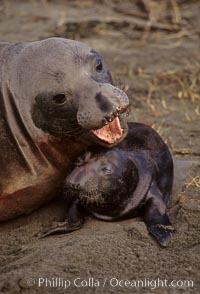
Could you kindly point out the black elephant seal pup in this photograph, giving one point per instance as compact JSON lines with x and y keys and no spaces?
{"x":56,"y":99}
{"x":113,"y":184}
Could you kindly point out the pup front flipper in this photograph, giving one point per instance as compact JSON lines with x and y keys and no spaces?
{"x":156,"y":218}
{"x":73,"y":222}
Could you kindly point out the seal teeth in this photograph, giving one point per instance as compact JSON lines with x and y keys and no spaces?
{"x":104,"y":122}
{"x":109,"y":119}
{"x":111,"y":132}
{"x":116,"y":113}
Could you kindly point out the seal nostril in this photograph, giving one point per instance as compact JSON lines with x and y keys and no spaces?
{"x":118,"y":110}
{"x":124,"y":108}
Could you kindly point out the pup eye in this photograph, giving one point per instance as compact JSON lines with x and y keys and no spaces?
{"x":98,"y":65}
{"x":106,"y":170}
{"x":59,"y":99}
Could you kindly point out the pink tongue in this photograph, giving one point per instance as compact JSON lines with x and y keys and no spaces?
{"x":109,"y":133}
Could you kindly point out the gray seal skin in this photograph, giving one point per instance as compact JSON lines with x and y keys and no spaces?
{"x":56,"y":100}
{"x":114,"y":184}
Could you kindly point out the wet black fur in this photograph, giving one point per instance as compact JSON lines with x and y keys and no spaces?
{"x":144,"y":150}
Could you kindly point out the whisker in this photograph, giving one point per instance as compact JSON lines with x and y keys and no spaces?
{"x":61,"y":133}
{"x":72,"y":50}
{"x":49,"y":69}
{"x":44,"y":72}
{"x":77,"y":55}
{"x":75,"y":131}
{"x":70,"y":133}
{"x":48,"y":79}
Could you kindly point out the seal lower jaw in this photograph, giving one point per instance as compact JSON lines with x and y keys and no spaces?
{"x":111,"y":134}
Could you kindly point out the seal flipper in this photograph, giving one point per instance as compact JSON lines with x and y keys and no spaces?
{"x":73,"y":222}
{"x":156,"y":218}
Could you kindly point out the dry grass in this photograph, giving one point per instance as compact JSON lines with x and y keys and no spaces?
{"x":192,"y":182}
{"x":184,"y":84}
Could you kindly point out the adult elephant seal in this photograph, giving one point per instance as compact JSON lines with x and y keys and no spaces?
{"x":116,"y":183}
{"x":56,"y":99}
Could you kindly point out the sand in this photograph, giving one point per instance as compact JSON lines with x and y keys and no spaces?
{"x":157,"y":69}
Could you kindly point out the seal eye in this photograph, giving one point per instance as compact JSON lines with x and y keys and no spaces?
{"x":98,"y":65}
{"x":59,"y":99}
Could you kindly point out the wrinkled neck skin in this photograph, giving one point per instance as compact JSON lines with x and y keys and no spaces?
{"x":28,"y":154}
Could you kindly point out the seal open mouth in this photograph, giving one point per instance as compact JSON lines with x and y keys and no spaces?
{"x":111,"y":132}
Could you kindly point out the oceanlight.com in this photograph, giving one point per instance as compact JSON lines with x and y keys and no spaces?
{"x":56,"y":282}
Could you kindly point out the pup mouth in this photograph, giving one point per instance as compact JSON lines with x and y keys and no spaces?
{"x":86,"y":197}
{"x":110,"y":133}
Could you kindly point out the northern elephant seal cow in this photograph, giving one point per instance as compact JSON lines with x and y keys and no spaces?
{"x":116,"y":183}
{"x":56,"y":99}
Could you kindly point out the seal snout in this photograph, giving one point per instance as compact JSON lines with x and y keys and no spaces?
{"x":100,"y":106}
{"x":112,"y":129}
